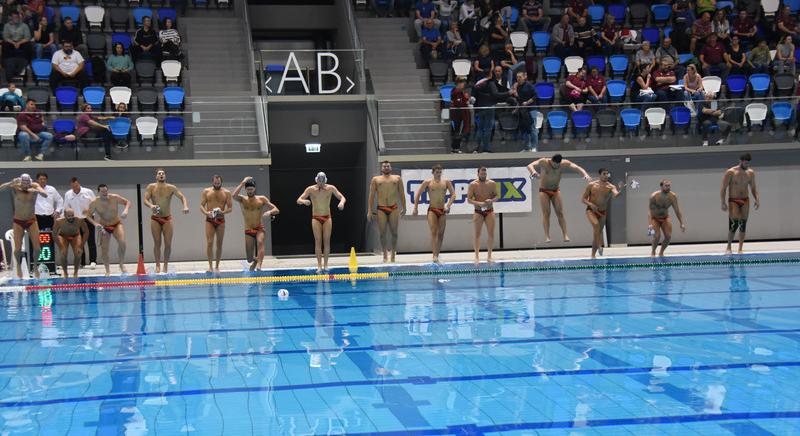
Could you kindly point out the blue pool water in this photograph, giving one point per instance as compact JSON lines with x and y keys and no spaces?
{"x":710,"y":350}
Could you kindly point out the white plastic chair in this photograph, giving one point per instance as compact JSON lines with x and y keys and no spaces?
{"x":461,"y":67}
{"x":573,"y":64}
{"x":656,"y":117}
{"x":120,"y":94}
{"x":772,"y":54}
{"x":16,"y":91}
{"x":171,"y":70}
{"x":756,"y":113}
{"x":539,"y":121}
{"x":95,"y":15}
{"x":8,"y":128}
{"x":770,"y":7}
{"x":519,"y":40}
{"x":147,"y":127}
{"x":712,"y":84}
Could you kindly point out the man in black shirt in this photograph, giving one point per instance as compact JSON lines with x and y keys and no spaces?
{"x":70,"y":32}
{"x":711,"y":116}
{"x":488,"y":92}
{"x":585,"y":42}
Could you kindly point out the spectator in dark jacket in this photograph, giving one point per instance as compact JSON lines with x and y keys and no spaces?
{"x":488,"y":92}
{"x":70,"y":32}
{"x":460,"y":115}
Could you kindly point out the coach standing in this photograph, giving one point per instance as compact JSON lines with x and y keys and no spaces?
{"x":48,"y":208}
{"x":78,"y":199}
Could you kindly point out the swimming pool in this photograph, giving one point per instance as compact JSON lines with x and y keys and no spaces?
{"x":615,"y":347}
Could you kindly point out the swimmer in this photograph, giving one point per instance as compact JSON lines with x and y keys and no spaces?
{"x":103,"y":213}
{"x":482,"y":193}
{"x":67,"y":232}
{"x":254,"y":234}
{"x":215,"y":203}
{"x":158,"y":197}
{"x":596,"y":197}
{"x":437,"y":189}
{"x":658,"y":216}
{"x":391,"y":205}
{"x":318,"y":196}
{"x":25,"y":191}
{"x":549,"y":192}
{"x":735,"y":184}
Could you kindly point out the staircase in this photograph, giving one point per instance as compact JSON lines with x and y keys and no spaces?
{"x":220,"y":86}
{"x":413,"y":125}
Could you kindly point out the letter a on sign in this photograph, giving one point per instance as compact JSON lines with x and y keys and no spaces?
{"x":330,"y":72}
{"x":292,"y":60}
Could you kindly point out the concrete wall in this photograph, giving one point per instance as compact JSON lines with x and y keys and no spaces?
{"x":290,"y":122}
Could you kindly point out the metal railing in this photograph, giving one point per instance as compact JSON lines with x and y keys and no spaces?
{"x":262,"y":121}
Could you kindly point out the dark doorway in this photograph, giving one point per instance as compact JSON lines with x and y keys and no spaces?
{"x":292,"y":171}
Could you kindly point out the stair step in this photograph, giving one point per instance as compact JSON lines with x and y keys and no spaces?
{"x":389,"y":131}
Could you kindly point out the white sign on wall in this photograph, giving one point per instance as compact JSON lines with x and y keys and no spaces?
{"x":513,"y":188}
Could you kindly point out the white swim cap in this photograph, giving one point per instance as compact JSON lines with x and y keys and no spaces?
{"x":321,"y":177}
{"x":25,"y":177}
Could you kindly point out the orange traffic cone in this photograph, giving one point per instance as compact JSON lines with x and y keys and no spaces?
{"x":140,"y":267}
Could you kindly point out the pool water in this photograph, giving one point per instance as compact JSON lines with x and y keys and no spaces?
{"x":710,"y":350}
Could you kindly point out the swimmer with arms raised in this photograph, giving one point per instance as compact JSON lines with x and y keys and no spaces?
{"x":549,"y":171}
{"x":735,"y":183}
{"x":596,"y":197}
{"x":318,"y":196}
{"x":25,"y":191}
{"x":252,"y":207}
{"x":437,"y":189}
{"x":103,"y":213}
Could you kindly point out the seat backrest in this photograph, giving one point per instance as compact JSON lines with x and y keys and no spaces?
{"x":781,"y":109}
{"x":175,"y":94}
{"x":756,"y":111}
{"x":573,"y":63}
{"x":8,"y":126}
{"x":712,"y":84}
{"x":140,"y":12}
{"x":94,"y":14}
{"x":631,"y":116}
{"x":770,"y":6}
{"x":736,"y":82}
{"x":122,"y":37}
{"x":73,"y":12}
{"x":444,"y":91}
{"x":145,"y":67}
{"x":618,"y":11}
{"x":598,"y":61}
{"x":545,"y":90}
{"x":539,"y":119}
{"x":616,"y":87}
{"x":172,"y":68}
{"x":557,"y":119}
{"x":680,"y":114}
{"x":147,"y":95}
{"x":64,"y":126}
{"x":655,"y":116}
{"x":661,"y":12}
{"x":519,"y":39}
{"x":164,"y":13}
{"x":784,"y":81}
{"x":551,"y":64}
{"x":606,"y":117}
{"x":596,"y":12}
{"x":147,"y":125}
{"x":461,"y":67}
{"x":540,"y":39}
{"x":759,"y":81}
{"x":173,"y":125}
{"x":67,"y":94}
{"x":120,"y":94}
{"x":618,"y":62}
{"x":638,"y":11}
{"x":39,"y":94}
{"x":582,"y":118}
{"x":651,"y":34}
{"x":41,"y":67}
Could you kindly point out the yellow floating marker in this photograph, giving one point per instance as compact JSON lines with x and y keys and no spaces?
{"x":353,"y":264}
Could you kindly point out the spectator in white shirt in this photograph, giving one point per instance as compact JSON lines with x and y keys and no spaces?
{"x":48,"y":208}
{"x":68,"y":64}
{"x":78,"y":199}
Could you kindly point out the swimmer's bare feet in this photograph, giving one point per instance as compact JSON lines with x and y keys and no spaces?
{"x":66,"y":275}
{"x":385,"y":258}
{"x":490,"y":261}
{"x":122,"y":269}
{"x":740,"y":251}
{"x":566,"y":238}
{"x":252,"y":266}
{"x":216,"y":270}
{"x":393,"y":255}
{"x":158,"y":268}
{"x":75,"y":275}
{"x":728,"y":250}
{"x":477,"y":261}
{"x":319,"y":270}
{"x":600,"y":250}
{"x":547,"y":240}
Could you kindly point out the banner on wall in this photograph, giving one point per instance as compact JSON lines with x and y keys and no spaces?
{"x":513,"y":188}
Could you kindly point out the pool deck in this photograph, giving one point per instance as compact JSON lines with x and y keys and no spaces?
{"x":309,"y":262}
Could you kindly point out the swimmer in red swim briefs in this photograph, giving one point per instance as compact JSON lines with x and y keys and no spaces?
{"x":25,"y":191}
{"x":318,"y":196}
{"x":252,"y":207}
{"x":658,"y":216}
{"x":215,"y":203}
{"x":481,"y":194}
{"x":436,"y":189}
{"x":67,"y":232}
{"x":735,"y":185}
{"x":103,"y":214}
{"x":158,"y":197}
{"x":596,"y":198}
{"x":391,"y":205}
{"x":549,"y":170}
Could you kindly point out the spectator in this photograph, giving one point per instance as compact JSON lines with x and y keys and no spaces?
{"x":170,"y":41}
{"x":44,"y":39}
{"x":759,"y":58}
{"x":533,"y":17}
{"x":577,"y":9}
{"x":596,"y":85}
{"x":745,"y":29}
{"x":721,"y":27}
{"x":642,"y":90}
{"x":445,"y":10}
{"x":487,"y":94}
{"x":32,"y":129}
{"x":468,"y":23}
{"x":644,"y":57}
{"x":89,"y":128}
{"x":701,"y":29}
{"x":47,"y":209}
{"x":68,"y":64}
{"x":692,"y":88}
{"x":526,"y":97}
{"x":10,"y":101}
{"x":562,"y":37}
{"x":78,"y":199}
{"x":712,"y":116}
{"x":430,"y":42}
{"x":16,"y":46}
{"x":9,"y":7}
{"x":424,"y":10}
{"x":663,"y":79}
{"x":34,"y":10}
{"x":503,"y":7}
{"x":609,"y":36}
{"x":705,"y":6}
{"x":508,"y":61}
{"x":712,"y":57}
{"x":667,"y":50}
{"x":786,"y":25}
{"x":460,"y":115}
{"x":69,"y":32}
{"x":682,"y":11}
{"x":502,"y":84}
{"x":456,"y":47}
{"x":585,"y":42}
{"x":483,"y":63}
{"x":145,"y":42}
{"x":498,"y":35}
{"x":120,"y":111}
{"x":576,"y":89}
{"x":784,"y":56}
{"x":120,"y":66}
{"x":736,"y":58}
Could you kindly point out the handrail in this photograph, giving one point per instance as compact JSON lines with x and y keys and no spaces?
{"x":356,"y":40}
{"x":262,"y":122}
{"x":250,"y":50}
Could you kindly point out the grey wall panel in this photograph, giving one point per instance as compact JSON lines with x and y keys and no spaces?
{"x":290,"y":123}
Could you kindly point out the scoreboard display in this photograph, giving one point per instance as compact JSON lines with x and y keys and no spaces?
{"x":47,"y":253}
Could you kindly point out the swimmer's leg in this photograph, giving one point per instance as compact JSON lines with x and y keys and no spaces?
{"x":210,"y":232}
{"x":477,"y":220}
{"x":394,"y":223}
{"x":558,"y":206}
{"x":383,"y":234}
{"x":327,"y":229}
{"x":155,"y":230}
{"x":316,"y":228}
{"x":119,"y":235}
{"x":667,"y":228}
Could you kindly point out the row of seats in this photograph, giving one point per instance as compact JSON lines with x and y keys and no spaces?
{"x":145,"y":71}
{"x":152,"y":3}
{"x":147,"y":99}
{"x":146,"y":129}
{"x":119,"y":18}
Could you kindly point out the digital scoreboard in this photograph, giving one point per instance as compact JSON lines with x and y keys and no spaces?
{"x":47,"y":253}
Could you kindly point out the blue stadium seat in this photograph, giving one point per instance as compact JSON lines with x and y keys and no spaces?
{"x":541,"y":41}
{"x":581,"y":122}
{"x":661,"y":13}
{"x":545,"y":93}
{"x":736,"y":85}
{"x":667,"y":31}
{"x":597,"y":61}
{"x":726,"y":4}
{"x":684,"y":57}
{"x":514,"y":17}
{"x":651,"y":34}
{"x":596,"y":13}
{"x":67,"y":98}
{"x":139,"y":13}
{"x":73,"y":12}
{"x":631,"y":119}
{"x":557,"y":120}
{"x":41,"y":69}
{"x":616,"y":90}
{"x":63,"y":128}
{"x":619,"y":11}
{"x":173,"y":129}
{"x":781,"y":114}
{"x":794,"y":5}
{"x":50,"y":13}
{"x":445,"y":92}
{"x":95,"y":96}
{"x":164,"y":13}
{"x":122,"y":37}
{"x":680,"y":118}
{"x":120,"y":128}
{"x":759,"y":84}
{"x":552,"y":67}
{"x":619,"y":65}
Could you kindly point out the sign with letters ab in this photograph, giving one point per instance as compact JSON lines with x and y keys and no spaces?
{"x":327,"y":70}
{"x":513,"y":189}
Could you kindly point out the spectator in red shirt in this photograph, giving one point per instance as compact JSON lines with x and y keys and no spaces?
{"x":89,"y":128}
{"x":32,"y":129}
{"x":713,"y":56}
{"x":576,"y":89}
{"x":460,"y":114}
{"x":609,"y":36}
{"x":787,"y":26}
{"x":664,"y":78}
{"x":596,"y":85}
{"x":701,"y":29}
{"x":745,"y":29}
{"x":533,"y":17}
{"x":577,"y":9}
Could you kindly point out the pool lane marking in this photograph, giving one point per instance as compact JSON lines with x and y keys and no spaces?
{"x":393,"y":347}
{"x":414,"y":380}
{"x":480,"y":430}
